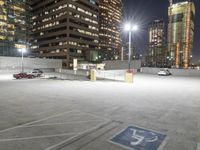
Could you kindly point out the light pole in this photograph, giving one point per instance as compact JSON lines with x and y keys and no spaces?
{"x":130,"y":28}
{"x":22,"y":50}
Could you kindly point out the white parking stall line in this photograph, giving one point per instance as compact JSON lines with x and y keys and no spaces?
{"x":53,"y":116}
{"x":103,"y":118}
{"x":69,"y":115}
{"x":38,"y":137}
{"x":73,"y":137}
{"x":63,"y":123}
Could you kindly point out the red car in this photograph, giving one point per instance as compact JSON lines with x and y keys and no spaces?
{"x":23,"y":75}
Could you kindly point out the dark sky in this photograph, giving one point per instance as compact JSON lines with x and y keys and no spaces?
{"x":144,"y":11}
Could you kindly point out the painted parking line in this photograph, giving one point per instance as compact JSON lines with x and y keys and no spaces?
{"x":103,"y":118}
{"x":38,"y":137}
{"x":32,"y":125}
{"x":63,"y":123}
{"x":92,"y":120}
{"x":73,"y":137}
{"x":68,"y":115}
{"x":61,"y":127}
{"x":53,"y":116}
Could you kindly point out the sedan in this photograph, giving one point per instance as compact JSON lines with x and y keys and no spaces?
{"x":164,"y":73}
{"x":23,"y":75}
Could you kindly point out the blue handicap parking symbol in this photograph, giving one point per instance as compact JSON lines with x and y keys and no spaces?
{"x":139,"y":139}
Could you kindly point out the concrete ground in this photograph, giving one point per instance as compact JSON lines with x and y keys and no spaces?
{"x":42,"y":114}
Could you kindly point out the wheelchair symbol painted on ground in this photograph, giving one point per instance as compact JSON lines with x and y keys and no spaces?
{"x":140,"y":136}
{"x":139,"y":139}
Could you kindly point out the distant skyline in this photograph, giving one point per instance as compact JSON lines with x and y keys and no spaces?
{"x":143,"y":12}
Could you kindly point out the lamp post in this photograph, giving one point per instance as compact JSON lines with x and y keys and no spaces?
{"x":130,"y":28}
{"x":22,"y":50}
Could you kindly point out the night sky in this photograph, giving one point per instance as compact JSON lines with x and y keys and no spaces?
{"x":142,"y":12}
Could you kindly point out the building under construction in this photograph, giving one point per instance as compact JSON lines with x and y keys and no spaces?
{"x":180,"y":34}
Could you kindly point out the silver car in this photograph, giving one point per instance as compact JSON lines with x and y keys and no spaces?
{"x":36,"y":72}
{"x":164,"y":72}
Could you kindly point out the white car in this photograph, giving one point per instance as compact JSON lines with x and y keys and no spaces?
{"x":36,"y":72}
{"x":164,"y":72}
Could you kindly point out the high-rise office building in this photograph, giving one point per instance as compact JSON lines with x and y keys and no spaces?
{"x":109,"y":32}
{"x":66,"y":29}
{"x":14,"y":26}
{"x":156,"y":54}
{"x":180,"y":34}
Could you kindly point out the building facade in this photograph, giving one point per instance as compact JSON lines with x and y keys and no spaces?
{"x":66,"y":29}
{"x":156,"y":54}
{"x":109,"y":32}
{"x":14,"y":26}
{"x":180,"y":34}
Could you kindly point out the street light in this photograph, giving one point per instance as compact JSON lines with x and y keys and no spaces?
{"x":22,"y":50}
{"x":130,"y":28}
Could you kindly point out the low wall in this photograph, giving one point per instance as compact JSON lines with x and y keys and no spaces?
{"x":103,"y":74}
{"x":118,"y":75}
{"x":120,"y":65}
{"x":13,"y":64}
{"x":175,"y":72}
{"x":72,"y":72}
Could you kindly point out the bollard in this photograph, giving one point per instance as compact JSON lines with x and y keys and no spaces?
{"x":93,"y":75}
{"x":129,"y":76}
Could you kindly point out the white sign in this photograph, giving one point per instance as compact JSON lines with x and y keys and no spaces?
{"x":75,"y":64}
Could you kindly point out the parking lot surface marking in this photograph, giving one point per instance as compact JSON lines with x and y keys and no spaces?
{"x":139,"y":139}
{"x":37,"y":137}
{"x":62,"y":126}
{"x":86,"y":131}
{"x":35,"y":121}
{"x":63,"y":123}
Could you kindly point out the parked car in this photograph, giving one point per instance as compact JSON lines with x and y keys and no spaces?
{"x":164,"y":72}
{"x":36,"y":72}
{"x":40,"y":71}
{"x":23,"y":75}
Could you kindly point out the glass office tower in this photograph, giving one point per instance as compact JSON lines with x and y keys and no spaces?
{"x":157,"y":50}
{"x":14,"y":26}
{"x":109,"y":32}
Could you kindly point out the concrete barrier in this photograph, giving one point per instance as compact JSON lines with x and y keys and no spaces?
{"x":72,"y":72}
{"x":118,"y":75}
{"x":13,"y":64}
{"x":120,"y":65}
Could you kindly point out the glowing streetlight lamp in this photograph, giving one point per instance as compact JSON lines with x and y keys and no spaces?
{"x":22,"y":50}
{"x":130,"y":28}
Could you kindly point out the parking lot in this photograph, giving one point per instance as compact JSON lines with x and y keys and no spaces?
{"x":42,"y":114}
